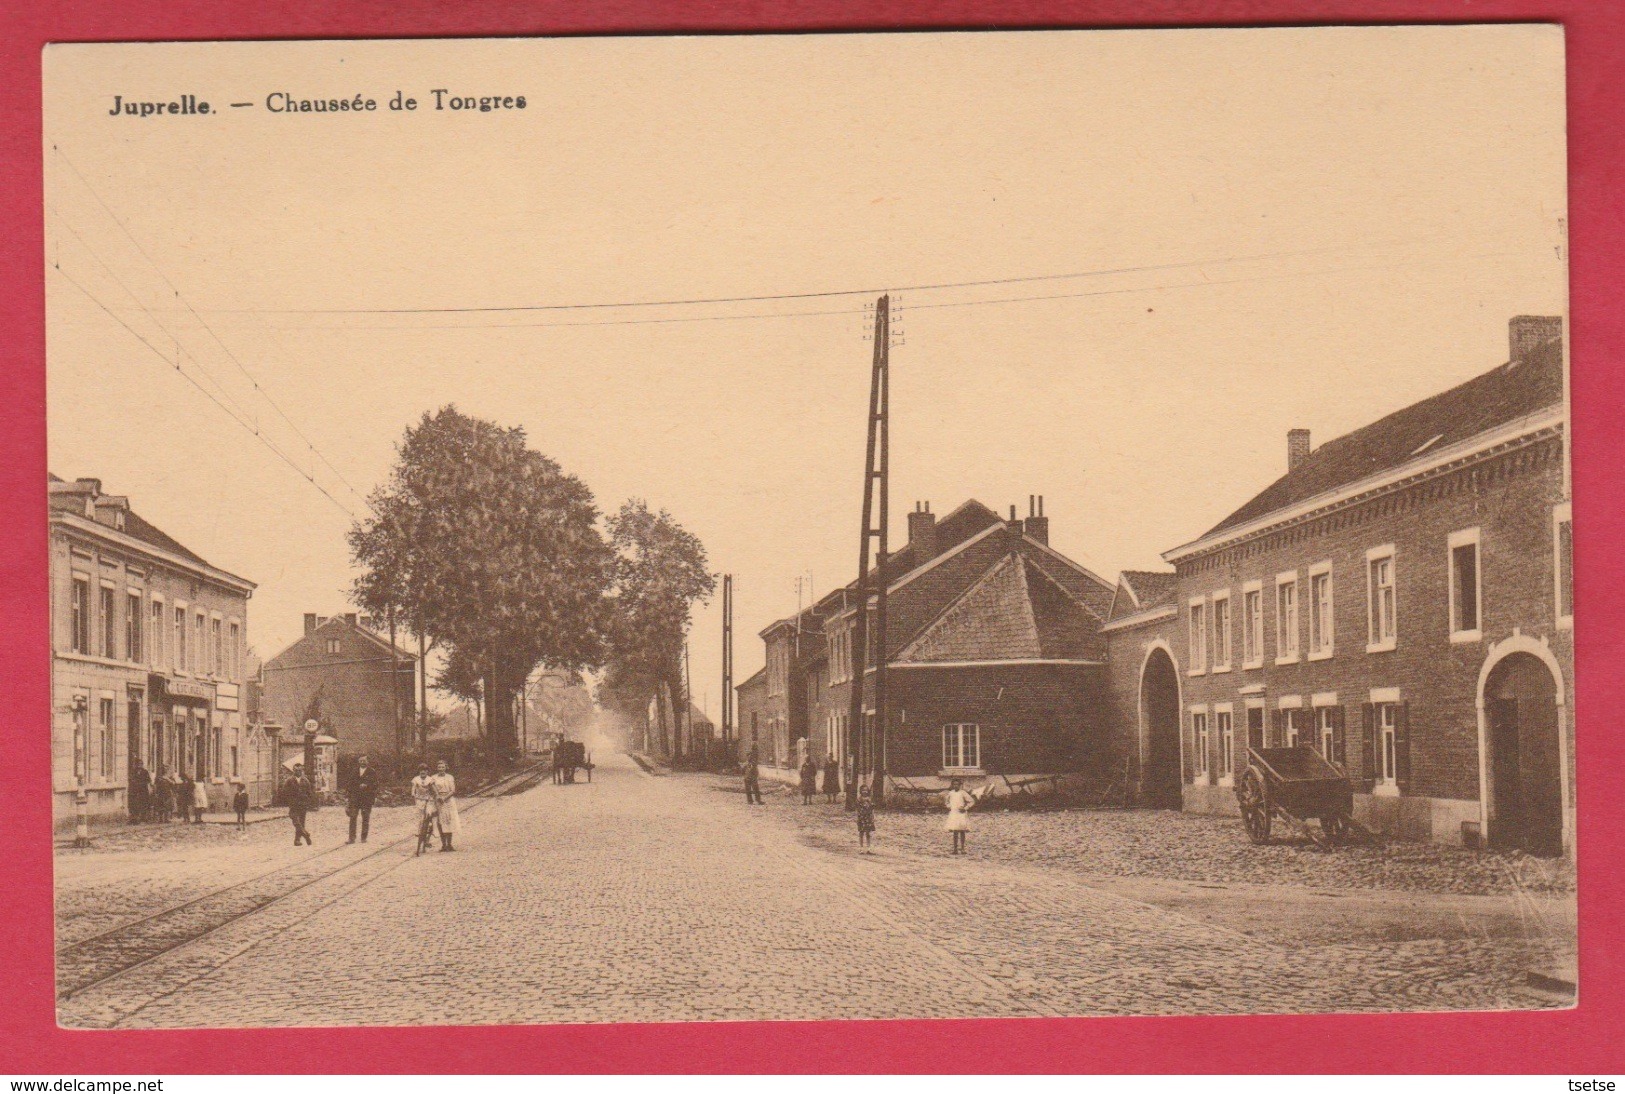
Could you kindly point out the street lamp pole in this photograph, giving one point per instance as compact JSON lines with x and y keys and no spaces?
{"x":81,"y":799}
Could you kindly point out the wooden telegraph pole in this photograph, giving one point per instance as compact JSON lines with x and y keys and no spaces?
{"x":868,"y":747}
{"x":727,"y":660}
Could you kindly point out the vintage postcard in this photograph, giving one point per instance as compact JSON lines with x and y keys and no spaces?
{"x":923,"y":525}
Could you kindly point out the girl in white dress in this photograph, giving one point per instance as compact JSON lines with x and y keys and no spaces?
{"x":960,"y":803}
{"x":445,"y":791}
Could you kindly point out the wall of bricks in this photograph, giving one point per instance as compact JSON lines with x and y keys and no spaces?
{"x":354,"y":688}
{"x":1510,"y":498}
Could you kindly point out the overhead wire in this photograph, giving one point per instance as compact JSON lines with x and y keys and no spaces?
{"x":822,"y":294}
{"x":247,"y":426}
{"x":253,"y":381}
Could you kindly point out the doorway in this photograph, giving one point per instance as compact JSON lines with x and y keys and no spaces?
{"x":1160,"y":777}
{"x":1525,"y":767}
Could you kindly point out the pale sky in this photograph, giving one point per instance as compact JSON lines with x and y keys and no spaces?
{"x":1344,"y":220}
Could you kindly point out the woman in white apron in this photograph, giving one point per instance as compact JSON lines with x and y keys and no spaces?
{"x":445,"y":793}
{"x":960,"y":802}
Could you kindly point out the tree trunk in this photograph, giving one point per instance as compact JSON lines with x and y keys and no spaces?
{"x":502,"y":733}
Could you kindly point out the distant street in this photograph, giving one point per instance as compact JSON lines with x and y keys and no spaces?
{"x":645,"y":898}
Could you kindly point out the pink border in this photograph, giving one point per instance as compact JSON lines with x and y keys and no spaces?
{"x":1568,"y":1041}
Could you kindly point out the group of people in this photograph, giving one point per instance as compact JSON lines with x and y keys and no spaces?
{"x":957,"y":799}
{"x":434,"y":796}
{"x":175,"y":795}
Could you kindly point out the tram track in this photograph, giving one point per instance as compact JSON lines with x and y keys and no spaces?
{"x":89,"y":962}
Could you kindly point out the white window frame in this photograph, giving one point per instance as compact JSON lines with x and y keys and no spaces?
{"x":1289,"y":577}
{"x":959,"y":738}
{"x":1329,"y":629}
{"x":1463,"y":538}
{"x":1197,"y":620}
{"x":155,"y":640}
{"x":1561,"y":515}
{"x":1325,"y":730}
{"x":81,"y":617}
{"x":1201,"y":747}
{"x":1376,"y":642}
{"x":1226,"y":638}
{"x":1252,"y":626}
{"x":1385,"y":749}
{"x":1224,"y":722}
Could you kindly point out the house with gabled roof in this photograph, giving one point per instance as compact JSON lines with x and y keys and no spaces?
{"x":995,"y":659}
{"x":1401,"y":600}
{"x":350,"y":679}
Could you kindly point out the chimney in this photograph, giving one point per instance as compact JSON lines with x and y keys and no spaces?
{"x":352,"y":619}
{"x":1525,"y":332}
{"x":310,"y":622}
{"x":1037,"y":524}
{"x":1297,"y":448}
{"x":1014,"y":523}
{"x":922,"y":532}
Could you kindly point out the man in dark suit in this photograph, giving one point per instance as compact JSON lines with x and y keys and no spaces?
{"x":299,"y":796}
{"x":361,"y":792}
{"x":140,"y":793}
{"x":753,"y":776}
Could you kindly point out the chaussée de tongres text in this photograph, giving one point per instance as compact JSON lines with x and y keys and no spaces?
{"x":285,"y":102}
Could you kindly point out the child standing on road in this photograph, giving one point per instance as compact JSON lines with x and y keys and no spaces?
{"x":866,"y":819}
{"x":239,"y":803}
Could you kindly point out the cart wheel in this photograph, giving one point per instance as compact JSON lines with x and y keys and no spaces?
{"x":1255,"y":807}
{"x":1336,"y":827}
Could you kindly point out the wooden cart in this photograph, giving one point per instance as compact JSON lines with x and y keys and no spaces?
{"x":1297,"y":785}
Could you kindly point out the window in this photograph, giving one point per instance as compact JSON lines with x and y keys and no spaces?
{"x":1199,"y":751}
{"x":216,"y":751}
{"x":1326,"y":732}
{"x":1227,"y":744}
{"x":1563,"y":564}
{"x":79,"y":612}
{"x":180,"y":638}
{"x":1466,"y":596}
{"x":333,"y":646}
{"x":218,"y":667}
{"x":200,"y":648}
{"x":133,"y":620}
{"x":1381,"y":605}
{"x":155,"y":635}
{"x":961,"y":745}
{"x":1252,"y":626}
{"x":235,"y":652}
{"x":1286,"y":618}
{"x":1221,"y":631}
{"x":236,"y":771}
{"x":1198,"y":646}
{"x":840,"y":655}
{"x":1320,"y":611}
{"x":1287,"y":727}
{"x":1385,"y":744}
{"x":106,"y":727}
{"x":109,"y":612}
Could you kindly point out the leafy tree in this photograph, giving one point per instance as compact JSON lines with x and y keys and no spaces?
{"x":660,"y":573}
{"x":488,"y":548}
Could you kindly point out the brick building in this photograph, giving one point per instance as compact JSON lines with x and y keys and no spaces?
{"x":995,"y":659}
{"x":148,"y":642}
{"x":1400,"y":599}
{"x":363,"y":689}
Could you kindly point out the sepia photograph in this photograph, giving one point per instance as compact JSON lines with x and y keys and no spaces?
{"x":737,"y":528}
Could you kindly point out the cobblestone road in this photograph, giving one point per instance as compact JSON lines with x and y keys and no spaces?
{"x":638,"y":898}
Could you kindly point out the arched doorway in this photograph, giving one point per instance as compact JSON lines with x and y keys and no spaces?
{"x":1523,"y":755}
{"x":1160,"y":779}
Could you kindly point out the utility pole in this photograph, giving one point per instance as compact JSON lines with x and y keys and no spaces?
{"x":688,"y":700}
{"x":869,"y":747}
{"x":727,"y":659}
{"x":395,"y":685}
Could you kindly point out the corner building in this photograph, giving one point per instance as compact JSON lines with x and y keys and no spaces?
{"x":1401,"y":600}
